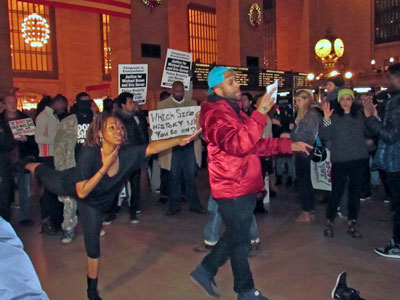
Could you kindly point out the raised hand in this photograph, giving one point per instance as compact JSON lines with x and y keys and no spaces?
{"x":266,"y":102}
{"x":109,"y":159}
{"x":301,"y":147}
{"x":369,"y":108}
{"x":326,"y":106}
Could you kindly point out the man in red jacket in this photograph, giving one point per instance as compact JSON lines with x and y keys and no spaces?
{"x":234,"y":145}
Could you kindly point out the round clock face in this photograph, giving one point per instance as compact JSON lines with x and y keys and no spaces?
{"x":323,"y":48}
{"x":339,"y":47}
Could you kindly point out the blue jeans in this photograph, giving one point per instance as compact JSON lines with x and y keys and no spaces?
{"x":280,"y":165}
{"x":183,"y":161}
{"x":211,"y":230}
{"x":23,"y":180}
{"x":237,"y":214}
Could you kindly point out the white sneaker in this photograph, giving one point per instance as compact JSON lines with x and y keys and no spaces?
{"x":103,"y":232}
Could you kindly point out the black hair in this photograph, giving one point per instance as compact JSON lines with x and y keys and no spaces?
{"x":337,"y":80}
{"x":80,"y":95}
{"x":395,"y":69}
{"x":107,"y":104}
{"x":60,"y":97}
{"x":46,"y":101}
{"x":164,"y":95}
{"x":249,"y":96}
{"x":121,"y":99}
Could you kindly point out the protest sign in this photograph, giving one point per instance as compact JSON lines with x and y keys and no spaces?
{"x":176,"y":68}
{"x":133,"y":79}
{"x":321,"y":177}
{"x":22,"y":127}
{"x":171,"y":122}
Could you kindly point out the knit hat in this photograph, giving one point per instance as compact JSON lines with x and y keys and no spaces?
{"x":215,"y":77}
{"x":345,"y":92}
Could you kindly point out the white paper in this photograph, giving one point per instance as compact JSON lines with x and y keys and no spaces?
{"x":271,"y":86}
{"x":176,"y":68}
{"x":133,"y":79}
{"x":172,"y":122}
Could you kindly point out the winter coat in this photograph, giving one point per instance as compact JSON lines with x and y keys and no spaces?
{"x":235,"y":145}
{"x":387,"y":156}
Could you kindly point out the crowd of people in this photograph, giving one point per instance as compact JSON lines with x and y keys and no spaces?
{"x":85,"y":159}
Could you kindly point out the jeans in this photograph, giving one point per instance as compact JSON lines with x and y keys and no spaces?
{"x":304,"y":184}
{"x":24,"y":190}
{"x":353,"y":170}
{"x":237,"y":214}
{"x":375,"y":179}
{"x":393,"y":183}
{"x":164,"y":183}
{"x":183,"y":161}
{"x":51,"y":208}
{"x":211,"y":230}
{"x":280,"y":165}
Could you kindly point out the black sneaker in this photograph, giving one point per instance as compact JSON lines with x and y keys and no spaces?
{"x":392,"y":250}
{"x":342,"y":292}
{"x":253,"y":294}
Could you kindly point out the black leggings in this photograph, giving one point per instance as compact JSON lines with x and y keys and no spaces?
{"x":57,"y":182}
{"x":91,"y":220}
{"x":60,"y":183}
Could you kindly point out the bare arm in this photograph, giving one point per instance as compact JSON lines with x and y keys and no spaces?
{"x":159,"y":146}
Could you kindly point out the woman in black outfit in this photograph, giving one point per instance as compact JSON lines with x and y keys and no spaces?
{"x":103,"y":166}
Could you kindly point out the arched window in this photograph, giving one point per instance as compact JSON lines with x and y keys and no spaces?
{"x":27,"y":61}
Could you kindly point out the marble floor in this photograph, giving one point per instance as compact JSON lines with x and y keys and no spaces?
{"x":152,"y":260}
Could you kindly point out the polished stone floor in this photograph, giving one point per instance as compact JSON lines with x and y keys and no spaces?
{"x":152,"y":260}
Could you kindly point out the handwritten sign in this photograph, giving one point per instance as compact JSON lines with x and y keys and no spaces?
{"x":321,"y":174}
{"x":176,"y":68}
{"x":133,"y":79}
{"x":22,"y":127}
{"x":172,"y":122}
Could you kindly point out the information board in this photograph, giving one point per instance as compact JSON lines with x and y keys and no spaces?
{"x":254,"y":79}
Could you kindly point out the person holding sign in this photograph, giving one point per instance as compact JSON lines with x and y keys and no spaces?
{"x":103,"y":166}
{"x":234,"y":144}
{"x":23,"y":146}
{"x":181,"y":159}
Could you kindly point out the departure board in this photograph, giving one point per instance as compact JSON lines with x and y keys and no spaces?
{"x":253,"y":79}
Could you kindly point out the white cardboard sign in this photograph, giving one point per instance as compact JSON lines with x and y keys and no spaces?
{"x":176,"y":68}
{"x":172,"y":122}
{"x":133,"y":79}
{"x":22,"y":127}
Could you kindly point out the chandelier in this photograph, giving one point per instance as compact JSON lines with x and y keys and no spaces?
{"x":35,"y":30}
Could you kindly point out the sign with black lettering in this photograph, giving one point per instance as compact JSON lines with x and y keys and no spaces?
{"x":22,"y":127}
{"x":133,"y":79}
{"x":176,"y":68}
{"x":172,"y":122}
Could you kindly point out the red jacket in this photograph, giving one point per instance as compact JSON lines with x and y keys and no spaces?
{"x":234,"y":145}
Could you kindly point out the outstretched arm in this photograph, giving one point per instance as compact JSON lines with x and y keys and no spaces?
{"x":159,"y":146}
